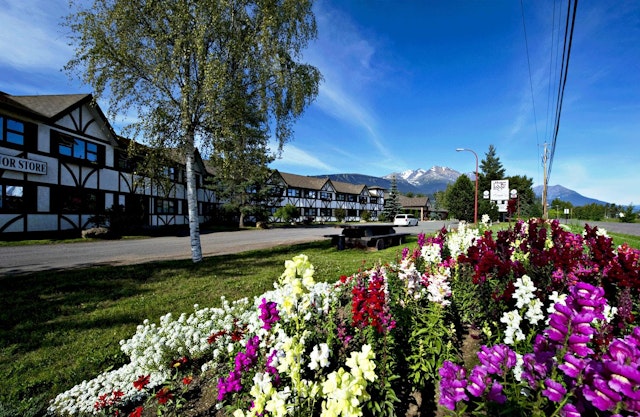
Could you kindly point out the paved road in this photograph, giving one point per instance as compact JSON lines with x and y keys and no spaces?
{"x":32,"y":258}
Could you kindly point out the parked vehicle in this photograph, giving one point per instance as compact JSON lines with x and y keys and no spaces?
{"x":405,"y":220}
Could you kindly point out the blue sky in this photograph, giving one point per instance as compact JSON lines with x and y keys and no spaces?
{"x":408,"y":81}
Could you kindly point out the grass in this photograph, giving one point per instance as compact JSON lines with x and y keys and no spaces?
{"x":57,"y":329}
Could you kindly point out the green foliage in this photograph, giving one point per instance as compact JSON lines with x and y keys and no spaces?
{"x":215,"y":71}
{"x":628,"y":215}
{"x":340,"y":214}
{"x":365,"y":215}
{"x":392,"y":204}
{"x":490,"y":169}
{"x":287,"y":213}
{"x":460,"y":199}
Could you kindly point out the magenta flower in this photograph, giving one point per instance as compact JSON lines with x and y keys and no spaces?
{"x":452,"y":384}
{"x":268,"y":313}
{"x":554,"y":391}
{"x":624,"y":379}
{"x":600,"y":395}
{"x":572,"y":366}
{"x":478,"y":381}
{"x":497,"y":358}
{"x":495,"y":394}
{"x":570,"y":410}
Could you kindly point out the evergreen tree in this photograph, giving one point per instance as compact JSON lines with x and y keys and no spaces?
{"x":460,"y":198}
{"x":526,"y":204}
{"x":391,"y":203}
{"x":490,"y":169}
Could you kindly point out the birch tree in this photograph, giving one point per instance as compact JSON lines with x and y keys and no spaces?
{"x":175,"y":63}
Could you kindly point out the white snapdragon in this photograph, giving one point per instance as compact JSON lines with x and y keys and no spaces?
{"x":319,"y":357}
{"x":431,"y":254}
{"x":458,"y":242}
{"x":525,"y":291}
{"x":438,"y":289}
{"x":513,"y":332}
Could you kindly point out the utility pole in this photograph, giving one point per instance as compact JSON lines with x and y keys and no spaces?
{"x":545,"y":211}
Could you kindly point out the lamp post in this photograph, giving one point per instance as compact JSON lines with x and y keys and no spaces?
{"x":475,"y":203}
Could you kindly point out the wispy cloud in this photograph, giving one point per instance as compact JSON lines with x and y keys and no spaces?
{"x":345,"y":58}
{"x":293,"y":156}
{"x":30,"y":38}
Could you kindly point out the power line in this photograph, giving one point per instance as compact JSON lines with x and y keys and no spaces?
{"x":566,"y":53}
{"x":526,"y":43}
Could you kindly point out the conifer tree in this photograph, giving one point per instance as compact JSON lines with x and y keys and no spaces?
{"x":392,"y":204}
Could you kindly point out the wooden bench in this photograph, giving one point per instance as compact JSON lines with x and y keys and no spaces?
{"x":367,"y":235}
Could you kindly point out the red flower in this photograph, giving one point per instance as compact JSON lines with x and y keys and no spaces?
{"x":164,"y":395}
{"x":141,"y":382}
{"x":137,"y":412}
{"x":187,"y":380}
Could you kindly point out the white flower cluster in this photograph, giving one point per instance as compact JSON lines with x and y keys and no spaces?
{"x":80,"y":399}
{"x":431,"y":254}
{"x":525,"y":299}
{"x":461,"y":240}
{"x":412,"y":278}
{"x":438,"y":289}
{"x":151,"y":350}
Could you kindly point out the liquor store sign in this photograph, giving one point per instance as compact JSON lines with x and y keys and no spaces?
{"x":23,"y":165}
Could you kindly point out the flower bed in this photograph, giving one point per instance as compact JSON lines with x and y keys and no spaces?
{"x":555,"y":312}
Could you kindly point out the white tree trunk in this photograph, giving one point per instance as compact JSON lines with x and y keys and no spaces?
{"x":192,"y":203}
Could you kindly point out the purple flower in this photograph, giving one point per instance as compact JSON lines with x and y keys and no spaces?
{"x":452,"y":384}
{"x":600,"y":395}
{"x":268,"y":313}
{"x":554,"y":391}
{"x":231,"y":384}
{"x":497,"y":358}
{"x":478,"y":381}
{"x":572,"y":366}
{"x":495,"y":393}
{"x":624,"y":378}
{"x":570,"y":410}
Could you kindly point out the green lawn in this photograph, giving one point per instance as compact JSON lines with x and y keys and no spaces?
{"x":58,"y":329}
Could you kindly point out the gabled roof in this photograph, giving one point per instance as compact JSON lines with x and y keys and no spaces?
{"x":51,"y":107}
{"x":408,"y":202}
{"x":348,"y":188}
{"x":301,"y":181}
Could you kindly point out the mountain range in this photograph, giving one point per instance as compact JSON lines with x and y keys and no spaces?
{"x":437,"y":178}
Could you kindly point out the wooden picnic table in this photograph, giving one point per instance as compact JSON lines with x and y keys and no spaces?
{"x":367,"y":235}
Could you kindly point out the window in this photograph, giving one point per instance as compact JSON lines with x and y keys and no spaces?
{"x":165,"y":206}
{"x":11,"y":131}
{"x":11,"y":198}
{"x":373,"y":200}
{"x":341,"y":197}
{"x":363,"y":200}
{"x":78,"y":149}
{"x":351,"y":198}
{"x":325,"y":212}
{"x":78,"y":201}
{"x":293,"y":192}
{"x":326,"y":196}
{"x":310,"y":194}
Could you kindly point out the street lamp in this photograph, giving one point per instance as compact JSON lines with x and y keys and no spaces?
{"x":475,"y":206}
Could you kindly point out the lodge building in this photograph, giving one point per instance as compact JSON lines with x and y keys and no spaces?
{"x":61,"y":165}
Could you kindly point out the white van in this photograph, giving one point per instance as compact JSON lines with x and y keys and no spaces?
{"x":405,"y":220}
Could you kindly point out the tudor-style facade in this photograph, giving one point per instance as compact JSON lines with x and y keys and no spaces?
{"x":317,"y":198}
{"x":61,"y":164}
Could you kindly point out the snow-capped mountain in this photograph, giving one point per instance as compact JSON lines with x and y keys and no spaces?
{"x":428,"y":181}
